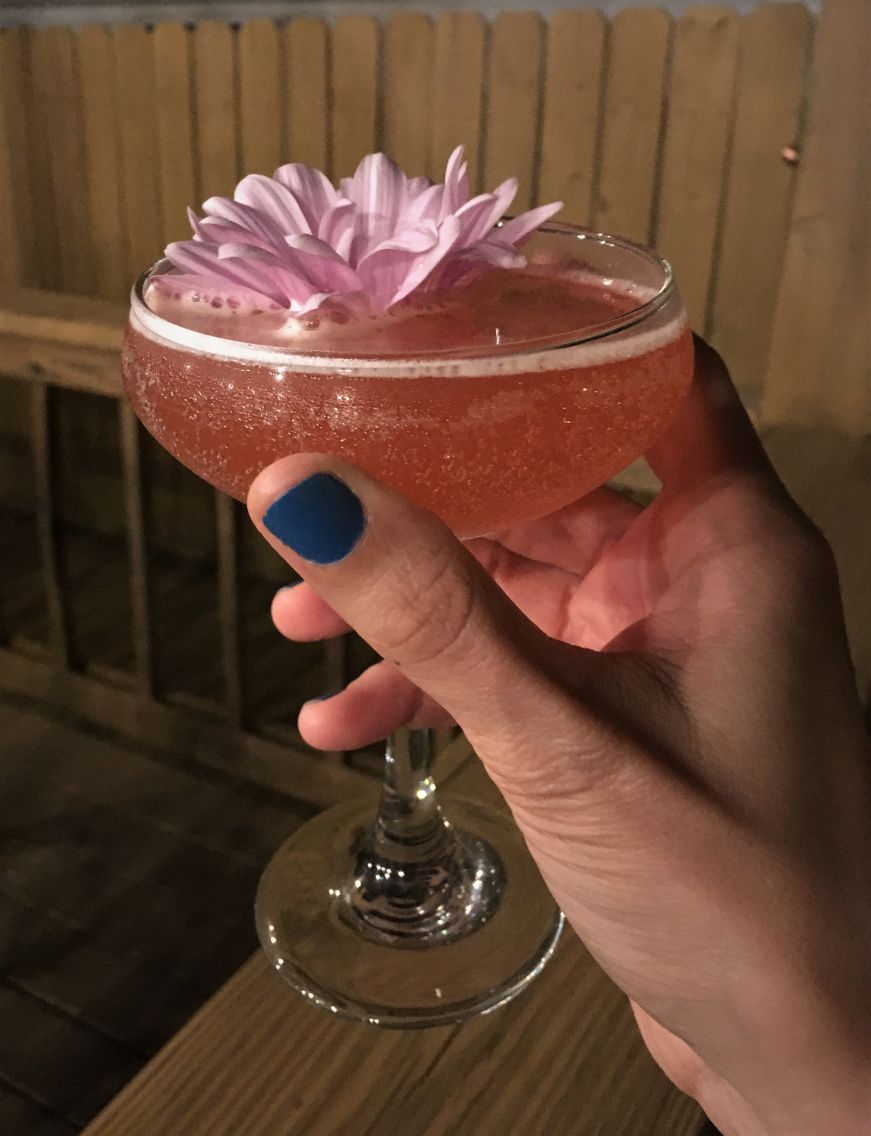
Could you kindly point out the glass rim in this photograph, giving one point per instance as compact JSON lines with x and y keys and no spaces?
{"x":242,"y":351}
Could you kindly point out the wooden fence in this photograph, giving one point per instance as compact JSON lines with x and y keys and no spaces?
{"x":737,"y":145}
{"x":670,"y":132}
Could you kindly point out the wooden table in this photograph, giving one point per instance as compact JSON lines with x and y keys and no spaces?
{"x":564,"y":1059}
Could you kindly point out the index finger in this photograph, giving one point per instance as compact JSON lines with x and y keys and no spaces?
{"x":711,"y":434}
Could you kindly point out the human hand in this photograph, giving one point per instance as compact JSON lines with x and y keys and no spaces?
{"x":665,"y":699}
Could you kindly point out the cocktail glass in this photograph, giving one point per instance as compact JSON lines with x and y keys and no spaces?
{"x":432,"y":911}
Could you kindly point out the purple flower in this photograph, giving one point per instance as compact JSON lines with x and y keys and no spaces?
{"x":295,"y":241}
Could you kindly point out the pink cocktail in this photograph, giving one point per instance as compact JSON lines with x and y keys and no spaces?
{"x":491,"y":403}
{"x":522,"y":391}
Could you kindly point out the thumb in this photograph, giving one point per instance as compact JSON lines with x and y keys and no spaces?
{"x":401,"y":579}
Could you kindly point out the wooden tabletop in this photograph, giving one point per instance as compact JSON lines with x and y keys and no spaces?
{"x":563,"y":1059}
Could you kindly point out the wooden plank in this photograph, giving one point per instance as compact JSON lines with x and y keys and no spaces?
{"x":566,"y":1058}
{"x":634,"y":107}
{"x":228,"y":606}
{"x":513,"y":98}
{"x":261,"y":97}
{"x":106,"y":222}
{"x":296,"y":772}
{"x":818,"y":368}
{"x":354,"y":75}
{"x":71,"y":341}
{"x":53,"y":54}
{"x":457,"y":90}
{"x":216,"y":108}
{"x":138,"y":1006}
{"x":137,"y":98}
{"x":700,"y":98}
{"x":61,"y":365}
{"x":137,"y":546}
{"x":53,"y":584}
{"x":307,"y":136}
{"x":173,"y":113}
{"x":18,"y":265}
{"x":37,"y":153}
{"x":775,"y":41}
{"x":54,"y":82}
{"x":110,"y":772}
{"x":408,"y":91}
{"x":19,"y":1114}
{"x":68,"y":1067}
{"x":570,"y":121}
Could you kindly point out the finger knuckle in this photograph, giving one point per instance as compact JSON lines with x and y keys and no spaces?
{"x":430,"y":610}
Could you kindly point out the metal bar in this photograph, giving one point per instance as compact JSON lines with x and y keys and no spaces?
{"x":228,"y":606}
{"x":49,"y":550}
{"x":137,"y":549}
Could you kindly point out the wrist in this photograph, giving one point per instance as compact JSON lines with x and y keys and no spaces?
{"x":827,"y":1102}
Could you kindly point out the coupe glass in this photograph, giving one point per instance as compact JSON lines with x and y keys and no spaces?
{"x":432,"y":911}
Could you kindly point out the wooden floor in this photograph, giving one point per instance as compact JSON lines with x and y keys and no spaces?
{"x":126,"y":891}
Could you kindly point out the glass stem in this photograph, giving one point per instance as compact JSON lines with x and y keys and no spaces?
{"x":409,"y":824}
{"x":416,"y":879}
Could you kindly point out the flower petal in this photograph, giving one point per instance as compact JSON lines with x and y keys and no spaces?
{"x":484,"y":219}
{"x":275,"y":201}
{"x":244,"y":269}
{"x":393,"y":270}
{"x":426,"y":206}
{"x":246,"y":218}
{"x":524,"y":224}
{"x":313,"y":190}
{"x":192,"y":286}
{"x":338,"y":226}
{"x":379,"y":189}
{"x":323,"y":265}
{"x":456,"y":189}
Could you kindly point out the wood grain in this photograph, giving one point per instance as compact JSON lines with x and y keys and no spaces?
{"x":570,"y":119}
{"x":40,"y":109}
{"x":135,"y":84}
{"x":19,"y":264}
{"x":228,"y":606}
{"x":513,"y":103}
{"x":408,"y":91}
{"x":107,"y":227}
{"x":307,"y":137}
{"x":293,"y":770}
{"x":53,"y":54}
{"x":458,"y":83}
{"x":257,"y":1060}
{"x":45,"y":494}
{"x":137,"y":547}
{"x":701,"y":98}
{"x":216,"y":109}
{"x":818,"y":366}
{"x":174,"y":113}
{"x":261,"y":97}
{"x":354,"y":82}
{"x":775,"y":42}
{"x":633,"y":114}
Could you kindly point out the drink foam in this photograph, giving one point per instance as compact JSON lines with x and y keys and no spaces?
{"x":640,"y":321}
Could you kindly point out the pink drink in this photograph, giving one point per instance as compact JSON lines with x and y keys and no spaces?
{"x":509,"y":398}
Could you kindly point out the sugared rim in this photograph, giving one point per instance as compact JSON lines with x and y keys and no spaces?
{"x":494,"y":358}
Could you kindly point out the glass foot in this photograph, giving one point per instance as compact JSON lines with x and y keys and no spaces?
{"x":482,"y":943}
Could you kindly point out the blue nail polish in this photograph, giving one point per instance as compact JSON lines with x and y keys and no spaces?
{"x":320,"y":519}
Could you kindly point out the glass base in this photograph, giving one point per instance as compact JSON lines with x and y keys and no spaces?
{"x":304,"y":926}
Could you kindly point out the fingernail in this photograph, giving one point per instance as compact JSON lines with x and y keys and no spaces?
{"x":319,"y":519}
{"x":322,"y":697}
